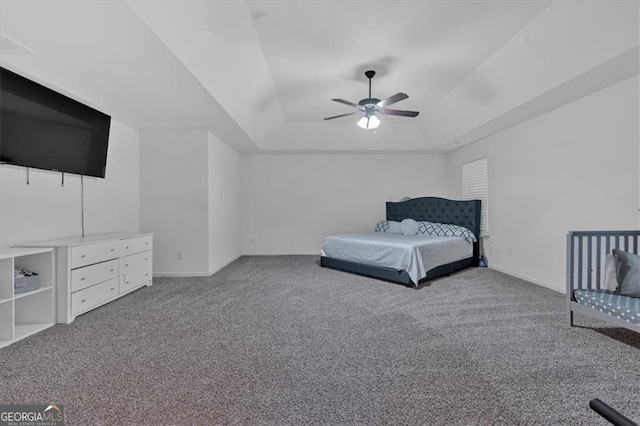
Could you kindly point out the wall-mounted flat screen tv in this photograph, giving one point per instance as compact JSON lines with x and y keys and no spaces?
{"x":44,"y":129}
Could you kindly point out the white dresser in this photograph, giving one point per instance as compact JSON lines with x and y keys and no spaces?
{"x":97,"y":269}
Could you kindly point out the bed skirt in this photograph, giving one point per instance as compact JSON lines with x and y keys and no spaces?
{"x":393,"y":275}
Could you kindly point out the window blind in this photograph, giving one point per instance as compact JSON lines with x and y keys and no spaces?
{"x":475,"y":186}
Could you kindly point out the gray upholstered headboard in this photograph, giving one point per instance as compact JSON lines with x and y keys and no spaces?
{"x":434,"y":209}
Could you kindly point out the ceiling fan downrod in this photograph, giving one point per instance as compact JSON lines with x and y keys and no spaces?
{"x":369,"y":74}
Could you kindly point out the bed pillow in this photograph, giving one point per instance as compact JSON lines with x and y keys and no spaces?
{"x":388,"y":226}
{"x":627,"y":273}
{"x":382,"y":226}
{"x":394,"y":227}
{"x":409,"y":227}
{"x":610,"y":281}
{"x":446,"y":230}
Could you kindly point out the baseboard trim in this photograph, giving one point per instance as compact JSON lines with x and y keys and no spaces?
{"x":195,"y":274}
{"x":180,"y":274}
{"x":213,"y":271}
{"x":315,"y":252}
{"x":529,"y":279}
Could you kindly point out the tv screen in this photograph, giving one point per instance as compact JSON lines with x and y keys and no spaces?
{"x":45,"y":129}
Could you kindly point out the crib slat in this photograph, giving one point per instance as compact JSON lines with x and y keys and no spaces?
{"x":570,"y":263}
{"x":608,"y":244}
{"x":580,"y":259}
{"x":598,"y":261}
{"x":589,"y":269}
{"x":626,"y":243}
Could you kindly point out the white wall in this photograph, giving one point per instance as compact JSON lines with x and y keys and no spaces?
{"x":174,"y":199}
{"x":566,"y":40}
{"x":574,"y":168}
{"x":290,"y":203}
{"x":45,"y":210}
{"x":190,"y":200}
{"x":224,"y":204}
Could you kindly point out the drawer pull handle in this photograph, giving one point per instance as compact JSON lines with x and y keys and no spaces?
{"x":146,"y":275}
{"x":112,"y":288}
{"x":146,"y":258}
{"x":127,"y":282}
{"x":113,"y":249}
{"x":146,"y":243}
{"x":111,"y":270}
{"x":126,"y":248}
{"x":83,"y":300}
{"x":82,"y":279}
{"x":83,"y":256}
{"x":126,"y":265}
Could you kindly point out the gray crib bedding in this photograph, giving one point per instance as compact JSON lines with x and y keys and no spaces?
{"x":622,"y":307}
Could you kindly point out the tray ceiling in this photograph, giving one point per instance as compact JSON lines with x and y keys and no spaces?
{"x":260,"y":74}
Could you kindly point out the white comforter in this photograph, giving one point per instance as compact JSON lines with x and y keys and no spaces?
{"x":415,"y":254}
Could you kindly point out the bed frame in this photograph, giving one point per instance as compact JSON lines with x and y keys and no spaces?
{"x":432,"y":209}
{"x":586,"y":253}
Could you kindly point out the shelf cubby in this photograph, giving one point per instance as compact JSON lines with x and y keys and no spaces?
{"x":24,"y":314}
{"x":6,"y":323}
{"x":33,"y":312}
{"x":6,"y":279}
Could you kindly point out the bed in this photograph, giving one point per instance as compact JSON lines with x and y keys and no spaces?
{"x":431,"y":209}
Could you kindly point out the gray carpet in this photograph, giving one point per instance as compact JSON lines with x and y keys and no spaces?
{"x":279,"y":340}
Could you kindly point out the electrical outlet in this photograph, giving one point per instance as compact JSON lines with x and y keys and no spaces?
{"x":180,"y":255}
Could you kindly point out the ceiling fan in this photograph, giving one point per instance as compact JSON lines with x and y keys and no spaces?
{"x":370,"y":106}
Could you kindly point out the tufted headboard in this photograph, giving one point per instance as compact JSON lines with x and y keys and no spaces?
{"x":434,"y":209}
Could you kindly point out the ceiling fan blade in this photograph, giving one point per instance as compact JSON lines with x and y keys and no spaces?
{"x":392,"y":99}
{"x":400,"y":112}
{"x":342,"y":101}
{"x":338,"y":116}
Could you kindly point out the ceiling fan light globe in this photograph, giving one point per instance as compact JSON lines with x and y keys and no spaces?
{"x":369,"y":122}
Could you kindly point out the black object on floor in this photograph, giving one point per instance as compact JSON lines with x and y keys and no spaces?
{"x":609,"y":413}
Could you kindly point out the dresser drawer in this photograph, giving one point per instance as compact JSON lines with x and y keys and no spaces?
{"x":134,"y":279}
{"x":93,"y":274}
{"x":135,"y":245}
{"x":93,"y":296}
{"x":89,"y":254}
{"x":135,"y":261}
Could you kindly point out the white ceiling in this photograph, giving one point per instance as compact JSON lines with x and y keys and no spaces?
{"x":261,"y":74}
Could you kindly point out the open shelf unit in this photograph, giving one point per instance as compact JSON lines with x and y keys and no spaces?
{"x":24,"y":314}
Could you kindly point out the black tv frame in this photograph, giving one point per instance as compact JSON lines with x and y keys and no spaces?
{"x":53,"y":112}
